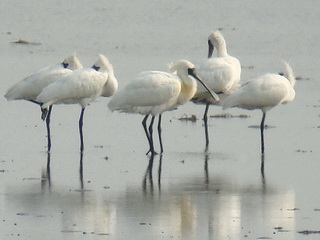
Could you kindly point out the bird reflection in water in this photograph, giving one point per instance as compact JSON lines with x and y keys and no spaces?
{"x":46,"y":173}
{"x":148,"y":176}
{"x":206,"y":167}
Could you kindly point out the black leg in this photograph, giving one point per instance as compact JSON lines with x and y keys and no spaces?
{"x":206,"y":169}
{"x":206,"y":132}
{"x":80,"y":129}
{"x":262,"y":132}
{"x":205,"y":115}
{"x":205,"y":119}
{"x":144,"y":124}
{"x":48,"y":168}
{"x":81,"y":171}
{"x":159,"y":133}
{"x":48,"y":128}
{"x":262,"y":166}
{"x":151,"y":136}
{"x":159,"y":171}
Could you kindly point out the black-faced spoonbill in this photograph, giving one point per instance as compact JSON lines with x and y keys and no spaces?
{"x":221,"y":74}
{"x":30,"y":87}
{"x":81,"y":86}
{"x":263,"y":93}
{"x":154,"y":92}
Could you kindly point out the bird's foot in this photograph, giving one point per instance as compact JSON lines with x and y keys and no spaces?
{"x":152,"y":152}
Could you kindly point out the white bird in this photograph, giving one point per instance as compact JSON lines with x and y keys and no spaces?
{"x":81,"y":86}
{"x":264,"y":93}
{"x":221,"y":74}
{"x":30,"y":87}
{"x":154,"y":92}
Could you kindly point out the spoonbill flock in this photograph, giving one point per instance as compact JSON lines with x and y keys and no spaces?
{"x":214,"y":81}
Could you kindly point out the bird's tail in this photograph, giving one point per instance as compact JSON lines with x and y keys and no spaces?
{"x":288,"y":73}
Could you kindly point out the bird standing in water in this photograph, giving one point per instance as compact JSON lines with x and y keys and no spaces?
{"x":30,"y":87}
{"x":221,"y":74}
{"x":81,"y":86}
{"x":264,"y":93}
{"x":154,"y":92}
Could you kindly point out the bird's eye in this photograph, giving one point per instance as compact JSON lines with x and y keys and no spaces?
{"x":190,"y":71}
{"x":95,"y":67}
{"x":65,"y":65}
{"x":281,"y":73}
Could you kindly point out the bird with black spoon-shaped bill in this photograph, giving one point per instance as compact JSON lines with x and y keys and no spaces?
{"x":154,"y":92}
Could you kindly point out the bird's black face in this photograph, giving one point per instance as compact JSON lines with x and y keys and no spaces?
{"x":95,"y":67}
{"x":191,"y":71}
{"x":65,"y":65}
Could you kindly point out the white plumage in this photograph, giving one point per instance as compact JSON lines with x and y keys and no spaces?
{"x":148,"y":95}
{"x":154,"y":92}
{"x":81,"y":86}
{"x":221,"y":74}
{"x":264,"y":92}
{"x":30,"y":87}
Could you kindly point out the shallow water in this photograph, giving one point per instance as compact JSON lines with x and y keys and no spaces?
{"x":114,"y":191}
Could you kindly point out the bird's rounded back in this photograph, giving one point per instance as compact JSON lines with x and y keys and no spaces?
{"x":30,"y":87}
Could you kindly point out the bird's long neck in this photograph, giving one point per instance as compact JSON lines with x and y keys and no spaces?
{"x":222,"y":49}
{"x":188,"y":90}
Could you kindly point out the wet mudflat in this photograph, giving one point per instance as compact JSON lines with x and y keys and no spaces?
{"x":113,"y":190}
